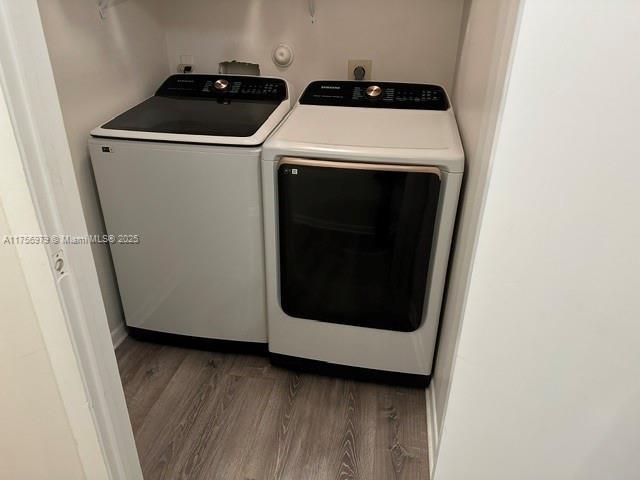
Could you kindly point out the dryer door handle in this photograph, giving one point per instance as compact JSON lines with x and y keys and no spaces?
{"x":310,"y":162}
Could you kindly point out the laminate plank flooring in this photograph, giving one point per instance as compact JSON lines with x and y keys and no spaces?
{"x":200,"y":415}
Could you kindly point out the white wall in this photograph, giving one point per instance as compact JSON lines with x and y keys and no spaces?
{"x":36,"y":441}
{"x":408,"y":40}
{"x":101,"y":67}
{"x":477,"y":96}
{"x":545,"y":384}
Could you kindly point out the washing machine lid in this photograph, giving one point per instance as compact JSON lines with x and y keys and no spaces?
{"x":213,"y":109}
{"x":393,"y":122}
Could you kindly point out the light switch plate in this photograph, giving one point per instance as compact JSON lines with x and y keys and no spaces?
{"x":352,"y":64}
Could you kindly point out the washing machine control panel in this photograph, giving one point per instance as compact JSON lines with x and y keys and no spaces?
{"x":224,"y":87}
{"x":415,"y":96}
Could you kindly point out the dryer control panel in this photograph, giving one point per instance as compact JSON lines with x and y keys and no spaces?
{"x":415,"y":96}
{"x":225,"y":87}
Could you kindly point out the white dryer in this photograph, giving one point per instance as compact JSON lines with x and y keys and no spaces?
{"x":178,"y":178}
{"x":360,"y":190}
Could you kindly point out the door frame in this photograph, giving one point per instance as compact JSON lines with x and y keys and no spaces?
{"x":82,"y":355}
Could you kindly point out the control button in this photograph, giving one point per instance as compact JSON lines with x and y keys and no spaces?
{"x":373,"y":91}
{"x":221,"y":84}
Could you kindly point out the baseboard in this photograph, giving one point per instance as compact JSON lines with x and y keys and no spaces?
{"x":432,"y":427}
{"x":118,"y":335}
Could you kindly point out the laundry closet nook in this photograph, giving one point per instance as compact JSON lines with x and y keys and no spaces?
{"x":215,"y":381}
{"x":325,"y":239}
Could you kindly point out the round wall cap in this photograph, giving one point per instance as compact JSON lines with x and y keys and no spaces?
{"x":282,"y":55}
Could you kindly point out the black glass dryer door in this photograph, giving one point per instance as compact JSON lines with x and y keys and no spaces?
{"x":355,"y":241}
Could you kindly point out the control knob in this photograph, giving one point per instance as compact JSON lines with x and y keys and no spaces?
{"x":373,"y":91}
{"x":221,"y":84}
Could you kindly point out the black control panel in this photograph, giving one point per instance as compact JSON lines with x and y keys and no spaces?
{"x":225,"y":87}
{"x":369,"y":94}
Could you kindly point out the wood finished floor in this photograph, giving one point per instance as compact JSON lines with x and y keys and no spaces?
{"x":208,"y":415}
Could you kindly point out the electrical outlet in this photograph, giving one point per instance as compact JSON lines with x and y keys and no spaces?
{"x":353,"y":64}
{"x":185,"y":64}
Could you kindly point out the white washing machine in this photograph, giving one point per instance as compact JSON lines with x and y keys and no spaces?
{"x":360,"y":190}
{"x":178,"y":178}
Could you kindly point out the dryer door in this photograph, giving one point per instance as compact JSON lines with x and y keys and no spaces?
{"x":355,"y":241}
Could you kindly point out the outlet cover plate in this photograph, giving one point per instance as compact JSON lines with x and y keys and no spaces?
{"x":352,"y":64}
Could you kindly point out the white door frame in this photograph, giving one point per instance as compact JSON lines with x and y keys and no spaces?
{"x":26,"y":78}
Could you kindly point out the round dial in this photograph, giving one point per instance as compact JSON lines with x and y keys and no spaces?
{"x":374,"y":91}
{"x":221,"y":84}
